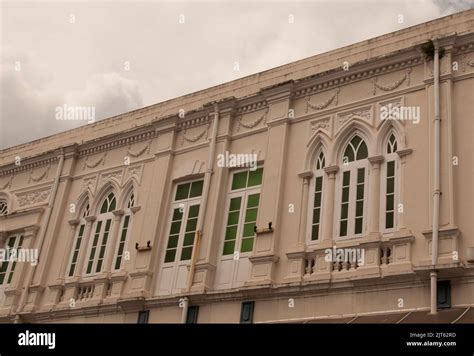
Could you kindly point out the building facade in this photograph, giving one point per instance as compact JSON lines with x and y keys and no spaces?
{"x":300,"y":193}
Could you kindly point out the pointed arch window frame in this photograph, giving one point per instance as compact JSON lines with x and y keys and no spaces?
{"x":124,"y":231}
{"x":391,"y":164}
{"x":353,"y":176}
{"x":316,"y":195}
{"x":101,"y":235}
{"x":79,"y":237}
{"x":3,"y":206}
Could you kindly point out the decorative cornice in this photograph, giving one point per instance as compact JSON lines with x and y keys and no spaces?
{"x":251,"y":107}
{"x":124,"y":141}
{"x":24,"y":166}
{"x":188,"y":123}
{"x":308,"y":86}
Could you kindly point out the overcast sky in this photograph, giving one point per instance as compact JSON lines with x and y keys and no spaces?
{"x":120,"y":56}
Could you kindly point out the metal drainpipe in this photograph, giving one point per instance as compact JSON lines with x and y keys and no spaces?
{"x":49,"y":210}
{"x":206,"y":187}
{"x":436,"y":183}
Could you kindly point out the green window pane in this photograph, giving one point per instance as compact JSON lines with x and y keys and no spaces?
{"x":125,"y":222}
{"x":170,"y":255}
{"x":360,"y":191}
{"x":360,"y":175}
{"x":343,"y":228}
{"x":255,"y":177}
{"x":102,"y":251}
{"x":346,"y":178}
{"x":359,"y":208}
{"x":317,"y":199}
{"x":229,"y":247}
{"x":390,"y":169}
{"x":99,"y":266}
{"x":390,"y":185}
{"x":247,"y":245}
{"x":196,"y":189}
{"x":251,"y":215}
{"x":362,"y":151}
{"x":233,"y":218}
{"x":231,"y":233}
{"x":182,"y":191}
{"x":348,"y":154}
{"x":104,"y":207}
{"x":188,"y":239}
{"x":316,"y":215}
{"x":112,"y":204}
{"x":175,"y":227}
{"x":173,"y":241}
{"x":89,"y":267}
{"x":120,"y":250}
{"x":344,"y":210}
{"x":193,"y":211}
{"x":389,"y":220}
{"x":355,"y":141}
{"x":319,"y":184}
{"x":345,"y":194}
{"x":177,"y":214}
{"x":191,"y":224}
{"x":186,"y":253}
{"x":249,"y":230}
{"x":78,"y":243}
{"x":3,"y":267}
{"x":99,"y":225}
{"x":118,"y":262}
{"x":358,"y":225}
{"x":390,"y":202}
{"x":235,"y":204}
{"x":74,"y":257}
{"x":239,"y":180}
{"x":71,"y":271}
{"x":253,"y":200}
{"x":315,"y":232}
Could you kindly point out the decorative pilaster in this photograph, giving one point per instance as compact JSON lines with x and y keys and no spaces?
{"x":85,"y":244}
{"x":306,"y":176}
{"x":328,"y":207}
{"x":374,"y":196}
{"x":401,"y":215}
{"x":113,"y":238}
{"x":263,"y":258}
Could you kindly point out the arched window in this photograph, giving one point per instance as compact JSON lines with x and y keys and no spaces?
{"x":101,"y":235}
{"x":353,"y":188}
{"x":126,"y":222}
{"x":3,"y":207}
{"x":7,"y":267}
{"x":316,"y":199}
{"x":79,"y":237}
{"x":390,"y":183}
